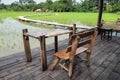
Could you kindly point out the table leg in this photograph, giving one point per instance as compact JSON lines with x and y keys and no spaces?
{"x":101,"y":35}
{"x":108,"y":36}
{"x":56,"y":43}
{"x":70,"y":35}
{"x":43,"y":52}
{"x":27,"y":46}
{"x":116,"y":33}
{"x":111,"y":33}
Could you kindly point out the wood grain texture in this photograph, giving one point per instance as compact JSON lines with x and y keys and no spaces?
{"x":104,"y":65}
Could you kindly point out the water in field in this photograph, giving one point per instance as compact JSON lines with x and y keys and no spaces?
{"x":11,"y":40}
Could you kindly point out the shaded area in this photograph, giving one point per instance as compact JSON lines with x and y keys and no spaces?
{"x":105,"y":64}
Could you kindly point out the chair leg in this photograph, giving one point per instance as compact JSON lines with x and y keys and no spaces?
{"x":65,"y":62}
{"x":52,"y":67}
{"x":88,"y":58}
{"x":70,"y":69}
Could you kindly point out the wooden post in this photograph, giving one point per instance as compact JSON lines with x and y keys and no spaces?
{"x":43,"y":52}
{"x":73,"y":32}
{"x":56,"y":43}
{"x":100,"y":14}
{"x":74,"y":29}
{"x":27,"y":46}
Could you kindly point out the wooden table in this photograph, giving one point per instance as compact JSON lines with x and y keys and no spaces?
{"x":41,"y":36}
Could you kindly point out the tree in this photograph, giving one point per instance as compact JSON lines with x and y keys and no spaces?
{"x":87,"y":6}
{"x":15,"y":6}
{"x":76,"y":7}
{"x":2,"y":6}
{"x":109,"y":8}
{"x":74,"y":2}
{"x":57,"y":7}
{"x":67,"y":5}
{"x":116,"y":7}
{"x":23,"y":2}
{"x":48,"y":4}
{"x":41,"y":6}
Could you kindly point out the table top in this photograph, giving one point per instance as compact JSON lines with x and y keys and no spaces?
{"x":48,"y":33}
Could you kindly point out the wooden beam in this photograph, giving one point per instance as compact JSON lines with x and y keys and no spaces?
{"x":100,"y":14}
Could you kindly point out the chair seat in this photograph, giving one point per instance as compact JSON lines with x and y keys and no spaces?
{"x":62,"y":54}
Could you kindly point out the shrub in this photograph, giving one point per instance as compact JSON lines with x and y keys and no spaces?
{"x":109,"y":8}
{"x":118,"y":13}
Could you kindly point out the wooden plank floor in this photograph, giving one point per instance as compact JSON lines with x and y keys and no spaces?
{"x":105,"y":64}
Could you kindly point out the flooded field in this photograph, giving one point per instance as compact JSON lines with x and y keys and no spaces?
{"x":11,"y":40}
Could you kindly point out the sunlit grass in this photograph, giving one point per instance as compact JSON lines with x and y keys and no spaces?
{"x":86,"y":18}
{"x":5,"y":14}
{"x":15,"y":15}
{"x":89,"y":19}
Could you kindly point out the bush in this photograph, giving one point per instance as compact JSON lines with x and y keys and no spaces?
{"x":116,"y":7}
{"x":118,"y":13}
{"x":109,"y":8}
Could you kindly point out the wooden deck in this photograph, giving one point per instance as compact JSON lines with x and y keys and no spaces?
{"x":105,"y":64}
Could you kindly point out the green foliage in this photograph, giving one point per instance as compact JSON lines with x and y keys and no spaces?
{"x":57,"y":7}
{"x":118,"y":13}
{"x":62,"y":6}
{"x":116,"y":7}
{"x":76,"y":8}
{"x":2,"y":6}
{"x":87,"y":6}
{"x":109,"y":8}
{"x":41,"y":6}
{"x":23,"y":2}
{"x":48,"y":4}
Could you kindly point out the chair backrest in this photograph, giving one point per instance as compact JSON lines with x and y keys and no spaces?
{"x":72,"y":49}
{"x":87,"y":38}
{"x":75,"y":44}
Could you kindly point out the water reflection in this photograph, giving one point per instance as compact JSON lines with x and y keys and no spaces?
{"x":11,"y":40}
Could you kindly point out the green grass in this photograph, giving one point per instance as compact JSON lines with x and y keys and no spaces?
{"x":14,"y":15}
{"x":5,"y":14}
{"x":110,"y":17}
{"x":71,"y":17}
{"x":87,"y":18}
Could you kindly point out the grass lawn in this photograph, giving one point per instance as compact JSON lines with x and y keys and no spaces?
{"x":86,"y":18}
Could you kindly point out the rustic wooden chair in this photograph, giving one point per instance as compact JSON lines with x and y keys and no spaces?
{"x":77,"y":42}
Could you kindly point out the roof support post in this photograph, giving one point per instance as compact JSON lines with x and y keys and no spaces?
{"x":100,"y":14}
